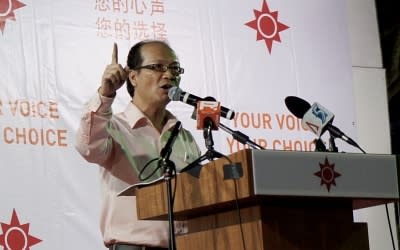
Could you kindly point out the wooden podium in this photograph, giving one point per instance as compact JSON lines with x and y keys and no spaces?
{"x":288,"y":200}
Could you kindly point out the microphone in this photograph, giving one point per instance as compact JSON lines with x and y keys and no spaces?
{"x":167,"y":149}
{"x":208,"y":114}
{"x":317,"y":118}
{"x":177,"y":94}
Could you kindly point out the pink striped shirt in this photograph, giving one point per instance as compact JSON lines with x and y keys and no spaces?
{"x":122,"y":144}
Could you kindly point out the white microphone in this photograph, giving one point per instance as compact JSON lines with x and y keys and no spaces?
{"x":177,"y":94}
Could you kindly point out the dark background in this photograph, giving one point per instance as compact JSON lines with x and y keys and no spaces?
{"x":388,"y":13}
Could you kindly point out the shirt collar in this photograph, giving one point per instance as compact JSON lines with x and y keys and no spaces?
{"x":135,"y":117}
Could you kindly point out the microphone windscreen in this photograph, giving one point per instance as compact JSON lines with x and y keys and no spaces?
{"x":174,"y":93}
{"x":209,"y":98}
{"x":297,"y":106}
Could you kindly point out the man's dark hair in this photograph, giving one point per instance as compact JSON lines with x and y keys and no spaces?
{"x":135,"y":59}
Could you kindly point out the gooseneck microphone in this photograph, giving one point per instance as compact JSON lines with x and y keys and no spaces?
{"x":177,"y":94}
{"x":167,"y":149}
{"x":310,"y":114}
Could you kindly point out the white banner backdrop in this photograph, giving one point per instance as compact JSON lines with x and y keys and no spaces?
{"x":249,"y":55}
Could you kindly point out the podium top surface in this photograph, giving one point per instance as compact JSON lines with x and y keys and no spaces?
{"x":324,"y":174}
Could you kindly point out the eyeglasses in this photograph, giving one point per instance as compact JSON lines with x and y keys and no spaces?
{"x":175,"y":69}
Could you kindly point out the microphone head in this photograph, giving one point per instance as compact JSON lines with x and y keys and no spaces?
{"x":209,"y":98}
{"x":174,"y":93}
{"x":297,"y":106}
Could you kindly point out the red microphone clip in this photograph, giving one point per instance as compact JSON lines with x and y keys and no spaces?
{"x":208,"y":110}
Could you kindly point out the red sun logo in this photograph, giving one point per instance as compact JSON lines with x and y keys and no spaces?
{"x":7,"y":8}
{"x":267,"y":25}
{"x":16,"y":236}
{"x":327,"y":174}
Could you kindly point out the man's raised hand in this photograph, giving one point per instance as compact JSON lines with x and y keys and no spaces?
{"x":114,"y":76}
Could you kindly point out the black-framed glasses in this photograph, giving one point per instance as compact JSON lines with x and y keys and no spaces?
{"x":175,"y":69}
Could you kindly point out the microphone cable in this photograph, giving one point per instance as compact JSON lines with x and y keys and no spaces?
{"x":141,"y":172}
{"x":236,"y":186}
{"x":239,"y":213}
{"x":390,"y":226}
{"x":388,"y":219}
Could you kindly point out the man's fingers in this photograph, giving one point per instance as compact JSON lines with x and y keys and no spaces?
{"x":115,"y":54}
{"x":125,"y":72}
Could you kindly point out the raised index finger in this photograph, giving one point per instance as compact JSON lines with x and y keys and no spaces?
{"x":115,"y":54}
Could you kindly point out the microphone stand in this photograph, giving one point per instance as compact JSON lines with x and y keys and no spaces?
{"x":332,"y":145}
{"x":169,"y":172}
{"x":320,"y":147}
{"x":207,"y":134}
{"x":240,"y":137}
{"x":211,"y":153}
